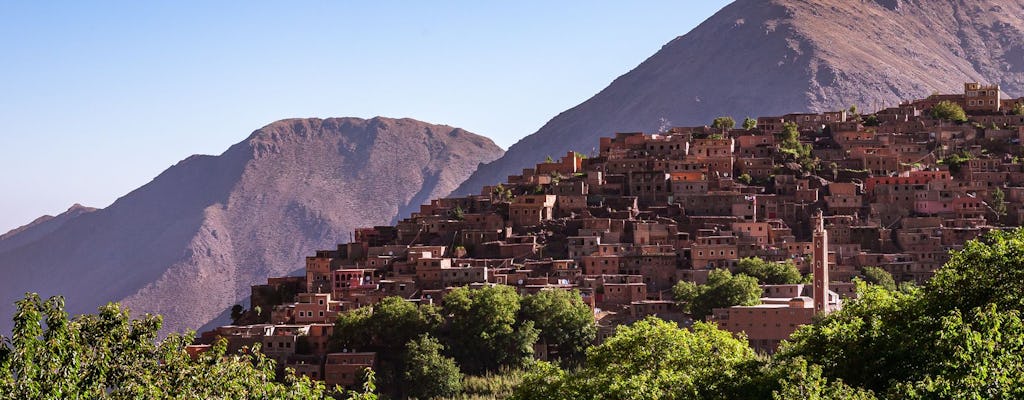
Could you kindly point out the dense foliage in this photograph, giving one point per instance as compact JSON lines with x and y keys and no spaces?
{"x":749,"y":123}
{"x":109,"y":355}
{"x":424,"y":349}
{"x":723,"y":123}
{"x":429,"y":374}
{"x":564,"y":321}
{"x":949,"y":111}
{"x":959,"y":336}
{"x":723,"y":289}
{"x":878,"y":276}
{"x":651,"y":359}
{"x":769,"y":273}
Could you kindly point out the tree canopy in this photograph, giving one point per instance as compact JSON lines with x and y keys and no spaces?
{"x":769,"y":273}
{"x":723,"y":123}
{"x":563,"y":320}
{"x":483,"y":330}
{"x":959,"y":336}
{"x":428,"y":373}
{"x":109,"y":355}
{"x":723,"y":289}
{"x":651,"y":359}
{"x":385,"y":328}
{"x":878,"y":276}
{"x":949,"y":111}
{"x":749,"y":123}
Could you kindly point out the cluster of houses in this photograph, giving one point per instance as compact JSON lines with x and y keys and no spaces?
{"x":896,"y":189}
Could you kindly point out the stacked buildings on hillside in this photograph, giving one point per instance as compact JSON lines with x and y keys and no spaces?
{"x":896,"y":189}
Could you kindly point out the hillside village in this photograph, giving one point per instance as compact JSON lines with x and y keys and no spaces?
{"x":832,"y":193}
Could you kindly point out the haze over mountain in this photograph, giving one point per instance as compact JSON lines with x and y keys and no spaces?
{"x":189,"y":244}
{"x":772,"y":57}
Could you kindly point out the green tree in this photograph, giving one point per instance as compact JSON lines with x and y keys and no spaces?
{"x":564,"y":321}
{"x":744,"y":179}
{"x":429,"y":374}
{"x":769,"y":273}
{"x":802,"y":381}
{"x":109,"y":355}
{"x":1018,"y":109}
{"x":749,"y":123}
{"x":369,"y":387}
{"x":723,"y":289}
{"x":937,"y":341}
{"x":723,"y":123}
{"x":483,"y":332}
{"x":878,"y":276}
{"x":651,"y":359}
{"x":385,"y":328}
{"x":999,"y":202}
{"x":949,"y":111}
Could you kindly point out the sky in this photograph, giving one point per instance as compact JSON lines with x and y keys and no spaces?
{"x":98,"y":98}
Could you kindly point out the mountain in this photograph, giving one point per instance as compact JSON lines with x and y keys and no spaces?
{"x":772,"y":57}
{"x":40,"y":227}
{"x":189,"y":243}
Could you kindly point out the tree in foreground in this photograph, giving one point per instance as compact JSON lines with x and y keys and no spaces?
{"x":109,"y":355}
{"x":723,"y":289}
{"x":483,"y":331}
{"x":949,"y":111}
{"x":769,"y":273}
{"x":959,"y":336}
{"x":385,"y":328}
{"x":428,"y":373}
{"x":563,"y":320}
{"x":651,"y":359}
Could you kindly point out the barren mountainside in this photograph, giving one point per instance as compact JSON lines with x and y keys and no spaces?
{"x":772,"y":57}
{"x":189,"y":244}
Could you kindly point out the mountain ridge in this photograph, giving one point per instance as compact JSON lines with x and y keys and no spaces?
{"x":761,"y":58}
{"x":189,"y":243}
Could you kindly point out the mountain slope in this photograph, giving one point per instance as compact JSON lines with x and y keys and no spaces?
{"x":771,"y":57}
{"x":40,"y":227}
{"x":190,"y":243}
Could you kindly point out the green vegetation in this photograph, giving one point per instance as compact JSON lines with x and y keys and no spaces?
{"x":428,"y":373}
{"x":1018,"y":109}
{"x":949,"y":111}
{"x":109,"y":355}
{"x":651,"y":359}
{"x":744,"y":179}
{"x":790,"y":146}
{"x":723,"y":289}
{"x":478,"y":331}
{"x":723,"y":123}
{"x":878,"y":276}
{"x":956,"y":161}
{"x":999,"y":202}
{"x":959,"y":336}
{"x":749,"y":123}
{"x":385,"y":328}
{"x":769,"y":273}
{"x":563,"y":319}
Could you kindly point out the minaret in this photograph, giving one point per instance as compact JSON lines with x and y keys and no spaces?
{"x":820,"y":264}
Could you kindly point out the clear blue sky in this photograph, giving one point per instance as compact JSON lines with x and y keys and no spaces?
{"x":98,"y":98}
